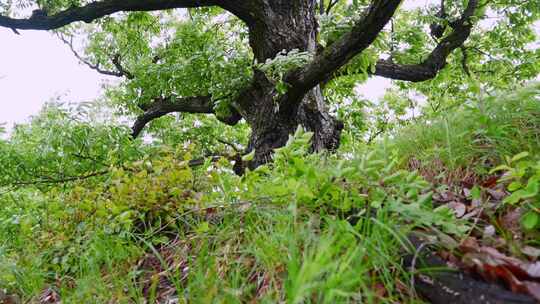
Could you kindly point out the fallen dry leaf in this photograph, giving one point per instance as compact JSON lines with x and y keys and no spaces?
{"x":489,"y":231}
{"x":492,"y":265}
{"x":534,"y":270}
{"x":458,"y":208}
{"x":49,"y":296}
{"x":511,"y":221}
{"x":496,"y":194}
{"x":531,"y":252}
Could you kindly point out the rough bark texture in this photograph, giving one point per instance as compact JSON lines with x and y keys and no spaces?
{"x":285,"y":25}
{"x":274,"y":26}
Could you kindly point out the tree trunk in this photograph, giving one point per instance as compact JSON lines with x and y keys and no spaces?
{"x":286,"y":25}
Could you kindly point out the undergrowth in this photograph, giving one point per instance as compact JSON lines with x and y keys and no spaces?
{"x":305,"y":229}
{"x":478,"y":135}
{"x":308,"y":228}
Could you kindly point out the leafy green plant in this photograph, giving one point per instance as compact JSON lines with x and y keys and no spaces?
{"x":284,"y":61}
{"x":522,"y":174}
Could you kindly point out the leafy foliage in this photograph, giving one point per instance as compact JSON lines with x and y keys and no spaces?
{"x":59,"y":146}
{"x":523,"y":177}
{"x":299,"y":223}
{"x":90,"y":215}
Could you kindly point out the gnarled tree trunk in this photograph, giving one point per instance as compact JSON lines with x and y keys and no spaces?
{"x":286,"y":25}
{"x":274,"y":26}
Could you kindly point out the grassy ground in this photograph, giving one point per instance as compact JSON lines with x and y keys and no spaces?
{"x":307,"y":229}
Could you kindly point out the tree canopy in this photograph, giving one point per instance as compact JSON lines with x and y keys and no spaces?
{"x":221,"y":56}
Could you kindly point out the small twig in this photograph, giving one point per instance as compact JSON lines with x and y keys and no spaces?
{"x":43,"y":181}
{"x":331,"y":6}
{"x":116,"y":61}
{"x":230,"y":144}
{"x":95,"y":67}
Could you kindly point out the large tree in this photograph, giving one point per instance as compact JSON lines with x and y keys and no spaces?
{"x":297,"y":50}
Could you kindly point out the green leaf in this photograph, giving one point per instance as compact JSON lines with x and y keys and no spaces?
{"x":532,"y":188}
{"x":249,"y":157}
{"x":513,"y":198}
{"x":514,"y":186}
{"x":476,"y":193}
{"x":203,"y":227}
{"x":530,"y":220}
{"x":519,"y":156}
{"x":500,"y":168}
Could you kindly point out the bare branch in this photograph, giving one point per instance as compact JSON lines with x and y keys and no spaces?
{"x":95,"y":67}
{"x":163,"y":106}
{"x":48,"y":181}
{"x":234,"y":146}
{"x":464,"y":60}
{"x":96,"y":10}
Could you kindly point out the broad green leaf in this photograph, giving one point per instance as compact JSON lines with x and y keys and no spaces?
{"x":530,"y":220}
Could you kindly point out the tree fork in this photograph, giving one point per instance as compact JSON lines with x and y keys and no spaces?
{"x":274,"y":26}
{"x":285,"y":25}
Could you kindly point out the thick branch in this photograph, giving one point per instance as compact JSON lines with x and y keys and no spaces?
{"x":331,"y":6}
{"x":361,"y":36}
{"x":96,"y":10}
{"x":163,"y":106}
{"x":436,"y":61}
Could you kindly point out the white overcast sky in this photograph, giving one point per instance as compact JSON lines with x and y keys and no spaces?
{"x":36,"y":66}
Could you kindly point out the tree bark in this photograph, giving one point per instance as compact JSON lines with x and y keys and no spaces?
{"x":274,"y":26}
{"x":285,"y":25}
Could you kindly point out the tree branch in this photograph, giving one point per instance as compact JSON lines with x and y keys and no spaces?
{"x":331,"y":6}
{"x":121,"y":72}
{"x":96,"y":10}
{"x":116,"y":60}
{"x":361,"y":36}
{"x":464,"y":60}
{"x":47,"y":180}
{"x":163,"y":106}
{"x":436,"y":61}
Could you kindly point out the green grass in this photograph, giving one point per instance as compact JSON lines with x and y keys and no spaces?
{"x":305,"y":229}
{"x":508,"y":124}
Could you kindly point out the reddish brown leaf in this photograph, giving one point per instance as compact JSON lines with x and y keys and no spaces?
{"x":490,"y":182}
{"x":380,"y":290}
{"x":469,"y":244}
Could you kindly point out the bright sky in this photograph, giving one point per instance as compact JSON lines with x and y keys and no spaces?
{"x":36,"y":66}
